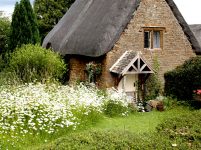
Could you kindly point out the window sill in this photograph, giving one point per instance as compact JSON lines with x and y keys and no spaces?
{"x":153,"y":49}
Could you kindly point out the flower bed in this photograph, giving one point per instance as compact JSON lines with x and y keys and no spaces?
{"x":39,"y":108}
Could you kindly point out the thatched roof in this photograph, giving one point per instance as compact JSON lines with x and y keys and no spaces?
{"x":196,"y":28}
{"x":91,"y":27}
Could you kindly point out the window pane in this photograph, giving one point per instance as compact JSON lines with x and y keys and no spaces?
{"x":156,"y":39}
{"x":146,"y":39}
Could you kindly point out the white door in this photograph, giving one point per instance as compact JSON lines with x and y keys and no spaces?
{"x":129,"y":84}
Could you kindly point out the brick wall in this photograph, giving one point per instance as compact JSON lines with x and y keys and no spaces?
{"x":176,"y":47}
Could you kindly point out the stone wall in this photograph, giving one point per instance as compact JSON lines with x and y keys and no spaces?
{"x":77,"y":68}
{"x":176,"y":47}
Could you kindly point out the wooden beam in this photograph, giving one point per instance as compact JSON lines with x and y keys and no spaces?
{"x":143,"y":67}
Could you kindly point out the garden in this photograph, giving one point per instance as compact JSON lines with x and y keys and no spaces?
{"x":39,"y":110}
{"x":54,"y":116}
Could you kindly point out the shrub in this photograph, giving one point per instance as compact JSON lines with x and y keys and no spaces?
{"x":116,"y":104}
{"x":32,"y":62}
{"x":184,"y":130}
{"x":114,"y":108}
{"x":184,"y":80}
{"x":115,"y":139}
{"x":95,"y":140}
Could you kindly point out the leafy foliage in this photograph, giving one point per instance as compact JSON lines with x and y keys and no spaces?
{"x":117,"y":104}
{"x":153,"y":84}
{"x":95,"y":140}
{"x":184,"y":130}
{"x":184,"y":80}
{"x":24,"y":29}
{"x":4,"y":34}
{"x":32,"y":62}
{"x":93,"y":71}
{"x":49,"y":12}
{"x":114,"y":108}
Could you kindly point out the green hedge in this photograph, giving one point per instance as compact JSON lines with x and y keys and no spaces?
{"x":32,"y":62}
{"x":185,"y":131}
{"x":184,"y":80}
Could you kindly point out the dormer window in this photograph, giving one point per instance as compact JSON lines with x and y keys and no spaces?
{"x":153,"y":38}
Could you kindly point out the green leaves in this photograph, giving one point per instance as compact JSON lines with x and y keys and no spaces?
{"x":4,"y":33}
{"x":184,"y":80}
{"x":32,"y":62}
{"x":49,"y":12}
{"x":24,"y":28}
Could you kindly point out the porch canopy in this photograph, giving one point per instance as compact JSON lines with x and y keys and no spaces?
{"x":131,"y":62}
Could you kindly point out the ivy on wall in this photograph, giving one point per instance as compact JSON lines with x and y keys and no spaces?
{"x":93,"y":71}
{"x":153,"y":86}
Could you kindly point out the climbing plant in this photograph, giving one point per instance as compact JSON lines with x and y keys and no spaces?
{"x":153,"y":86}
{"x":93,"y":70}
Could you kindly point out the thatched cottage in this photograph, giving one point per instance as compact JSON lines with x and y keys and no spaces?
{"x":124,"y":36}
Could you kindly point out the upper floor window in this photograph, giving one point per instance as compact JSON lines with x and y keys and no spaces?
{"x":153,"y":38}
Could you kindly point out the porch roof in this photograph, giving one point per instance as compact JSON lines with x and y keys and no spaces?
{"x":131,"y":62}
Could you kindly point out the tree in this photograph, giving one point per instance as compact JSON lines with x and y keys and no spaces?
{"x":24,"y":27}
{"x":49,"y":12}
{"x":4,"y":33}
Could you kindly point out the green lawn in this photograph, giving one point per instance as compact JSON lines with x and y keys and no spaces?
{"x":138,"y":122}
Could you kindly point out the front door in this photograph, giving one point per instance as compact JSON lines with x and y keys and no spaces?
{"x":129,"y":84}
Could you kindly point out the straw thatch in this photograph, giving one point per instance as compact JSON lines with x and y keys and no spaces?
{"x":196,"y":28}
{"x":91,"y":27}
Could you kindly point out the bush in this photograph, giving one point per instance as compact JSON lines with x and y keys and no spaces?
{"x":114,"y":108}
{"x":32,"y":62}
{"x":115,"y":139}
{"x":184,"y":130}
{"x":184,"y":80}
{"x":95,"y":140}
{"x":117,"y":104}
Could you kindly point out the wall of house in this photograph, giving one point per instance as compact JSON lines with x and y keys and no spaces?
{"x":176,"y":47}
{"x":77,"y":68}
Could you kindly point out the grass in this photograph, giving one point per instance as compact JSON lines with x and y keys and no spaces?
{"x":138,"y":122}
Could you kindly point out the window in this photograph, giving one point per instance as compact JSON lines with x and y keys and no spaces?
{"x":156,"y":39}
{"x":147,"y":39}
{"x":153,"y":38}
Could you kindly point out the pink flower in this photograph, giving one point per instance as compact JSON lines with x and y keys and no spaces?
{"x":199,"y":92}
